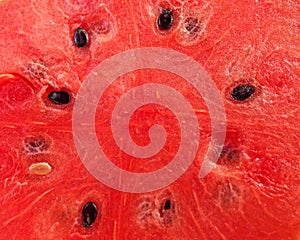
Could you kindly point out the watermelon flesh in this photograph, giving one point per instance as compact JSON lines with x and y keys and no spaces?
{"x":253,"y":190}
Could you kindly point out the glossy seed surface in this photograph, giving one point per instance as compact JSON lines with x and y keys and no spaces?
{"x":89,"y":214}
{"x":81,"y":38}
{"x":60,"y":97}
{"x":165,"y":19}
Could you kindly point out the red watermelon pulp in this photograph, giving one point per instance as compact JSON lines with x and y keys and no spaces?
{"x":251,"y":51}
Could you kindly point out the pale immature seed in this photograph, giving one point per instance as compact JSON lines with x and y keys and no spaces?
{"x":40,"y":169}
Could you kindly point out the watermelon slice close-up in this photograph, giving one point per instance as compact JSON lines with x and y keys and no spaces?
{"x":150,"y":119}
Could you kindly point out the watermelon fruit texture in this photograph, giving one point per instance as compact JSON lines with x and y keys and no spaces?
{"x":250,"y":49}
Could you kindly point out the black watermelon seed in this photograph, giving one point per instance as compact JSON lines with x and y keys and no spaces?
{"x":165,"y":19}
{"x":242,"y":92}
{"x":167,"y":205}
{"x":60,"y":97}
{"x":89,"y":214}
{"x":81,"y":38}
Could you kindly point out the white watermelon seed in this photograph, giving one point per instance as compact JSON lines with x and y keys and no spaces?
{"x":40,"y":168}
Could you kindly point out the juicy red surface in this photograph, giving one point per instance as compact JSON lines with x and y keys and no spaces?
{"x":253,"y":192}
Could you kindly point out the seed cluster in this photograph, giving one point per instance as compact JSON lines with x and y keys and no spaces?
{"x":167,"y":209}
